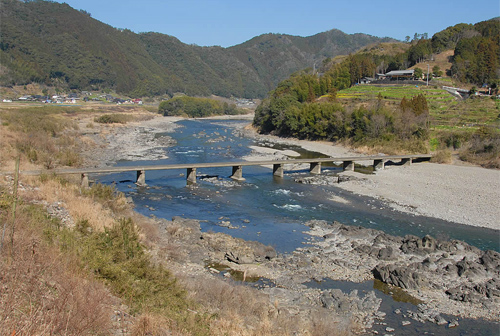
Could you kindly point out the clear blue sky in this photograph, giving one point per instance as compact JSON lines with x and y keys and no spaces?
{"x":231,"y":22}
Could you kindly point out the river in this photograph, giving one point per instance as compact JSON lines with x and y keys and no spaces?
{"x":270,"y":209}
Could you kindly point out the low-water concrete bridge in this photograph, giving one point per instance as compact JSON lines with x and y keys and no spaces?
{"x":237,"y":167}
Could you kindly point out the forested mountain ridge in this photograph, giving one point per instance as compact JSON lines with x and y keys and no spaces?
{"x":318,"y":106}
{"x":51,"y":43}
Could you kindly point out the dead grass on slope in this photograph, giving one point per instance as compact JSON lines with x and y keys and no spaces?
{"x":42,"y":291}
{"x":246,"y":311}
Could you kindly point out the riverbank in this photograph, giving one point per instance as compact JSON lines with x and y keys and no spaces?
{"x":458,"y":193}
{"x":106,"y":144}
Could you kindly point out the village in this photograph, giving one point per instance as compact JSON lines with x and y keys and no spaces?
{"x":75,"y":98}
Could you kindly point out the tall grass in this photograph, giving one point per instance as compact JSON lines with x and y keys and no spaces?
{"x":44,"y":136}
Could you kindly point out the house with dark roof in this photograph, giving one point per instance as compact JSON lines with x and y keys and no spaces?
{"x":400,"y":74}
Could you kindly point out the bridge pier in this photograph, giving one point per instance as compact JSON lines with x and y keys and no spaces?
{"x":348,"y":165}
{"x":378,"y":164}
{"x":85,"y":181}
{"x":278,"y":169}
{"x":141,"y":178}
{"x":191,"y":176}
{"x":406,"y":162}
{"x":237,"y":173}
{"x":315,"y":168}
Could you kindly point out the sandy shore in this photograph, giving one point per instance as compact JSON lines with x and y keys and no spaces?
{"x":465,"y":195}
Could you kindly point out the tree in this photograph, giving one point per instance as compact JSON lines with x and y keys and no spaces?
{"x":407,"y":39}
{"x":436,"y":71}
{"x":418,"y":73}
{"x":332,"y":94}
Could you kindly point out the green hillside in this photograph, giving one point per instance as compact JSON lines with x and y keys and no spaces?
{"x":397,"y":116}
{"x":53,"y":44}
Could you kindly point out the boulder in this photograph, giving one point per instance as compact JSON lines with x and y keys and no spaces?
{"x":387,"y":253}
{"x":429,"y":244}
{"x":415,"y":245}
{"x":470,"y":269}
{"x":237,"y":258}
{"x":384,"y":239}
{"x":263,"y":252}
{"x":491,"y":261}
{"x":463,"y":293}
{"x":356,"y":231}
{"x":407,"y":277}
{"x":364,"y":249}
{"x":476,"y":293}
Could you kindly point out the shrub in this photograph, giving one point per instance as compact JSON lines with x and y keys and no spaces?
{"x":114,"y":118}
{"x":483,"y":148}
{"x":442,"y":156}
{"x":196,"y":107}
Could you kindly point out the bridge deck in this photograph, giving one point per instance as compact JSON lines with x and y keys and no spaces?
{"x":237,"y":167}
{"x":224,"y":164}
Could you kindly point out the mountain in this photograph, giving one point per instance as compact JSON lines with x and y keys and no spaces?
{"x":54,"y":44}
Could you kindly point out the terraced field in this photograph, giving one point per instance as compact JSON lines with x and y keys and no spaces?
{"x":394,"y":92}
{"x":446,"y":111}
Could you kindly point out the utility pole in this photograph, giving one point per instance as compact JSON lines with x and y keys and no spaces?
{"x":427,"y":74}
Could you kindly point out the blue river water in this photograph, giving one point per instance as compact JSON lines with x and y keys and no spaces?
{"x":265,"y":208}
{"x":272,"y":210}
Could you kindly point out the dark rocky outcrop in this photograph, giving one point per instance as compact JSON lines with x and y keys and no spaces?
{"x":344,"y":303}
{"x":407,"y":277}
{"x":476,"y":293}
{"x":491,"y":261}
{"x":425,"y":268}
{"x":416,"y":245}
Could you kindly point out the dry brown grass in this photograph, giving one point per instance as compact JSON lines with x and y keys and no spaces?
{"x":79,"y":207}
{"x":442,"y":60}
{"x":153,"y":324}
{"x":442,"y":156}
{"x":245,"y":311}
{"x":43,"y":293}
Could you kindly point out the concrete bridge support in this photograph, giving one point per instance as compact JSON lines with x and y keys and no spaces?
{"x":237,"y":173}
{"x":278,"y":170}
{"x":85,"y":180}
{"x":406,"y":162}
{"x":378,"y":164}
{"x":348,"y":165}
{"x":141,"y":178}
{"x":191,"y":176}
{"x":315,"y":168}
